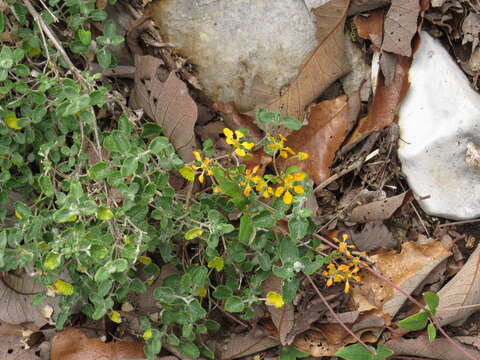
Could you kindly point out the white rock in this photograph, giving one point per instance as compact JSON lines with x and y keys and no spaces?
{"x":440,"y":134}
{"x":240,"y":45}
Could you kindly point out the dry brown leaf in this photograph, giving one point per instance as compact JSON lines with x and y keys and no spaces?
{"x":283,"y":317}
{"x":16,"y":291}
{"x":358,"y":6}
{"x":168,"y":103}
{"x":440,"y":349}
{"x":401,"y":23}
{"x":370,"y":27}
{"x":328,"y":125}
{"x":377,"y":210}
{"x":244,"y":344}
{"x":72,"y":344}
{"x":462,"y":290}
{"x":374,"y":235}
{"x":406,"y":269}
{"x":12,"y":348}
{"x":304,"y":320}
{"x":471,"y":30}
{"x":326,"y":63}
{"x":383,"y":110}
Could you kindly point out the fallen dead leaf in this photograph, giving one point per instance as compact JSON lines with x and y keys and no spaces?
{"x":401,"y":24}
{"x":440,"y":349}
{"x":374,"y":235}
{"x":304,"y":320}
{"x":377,"y":210}
{"x":461,"y":291}
{"x":168,"y":103}
{"x":244,"y":344}
{"x":72,"y":344}
{"x":12,"y":348}
{"x":322,"y":67}
{"x":406,"y":269}
{"x":359,"y":6}
{"x":370,"y":26}
{"x":16,"y":291}
{"x":328,"y":125}
{"x":283,"y":317}
{"x":471,"y":30}
{"x":383,"y":109}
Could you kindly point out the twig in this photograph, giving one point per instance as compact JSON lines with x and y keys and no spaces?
{"x":327,"y":305}
{"x":39,"y":20}
{"x":459,"y":223}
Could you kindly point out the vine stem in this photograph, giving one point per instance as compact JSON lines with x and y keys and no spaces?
{"x":325,"y":302}
{"x":435,"y":319}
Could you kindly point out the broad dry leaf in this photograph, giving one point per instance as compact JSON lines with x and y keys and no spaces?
{"x":406,"y":269}
{"x":168,"y":103}
{"x":471,"y":30}
{"x":16,"y":290}
{"x":72,"y":344}
{"x":377,"y":210}
{"x":440,"y":349}
{"x":328,"y":124}
{"x":383,"y":109}
{"x":370,"y":26}
{"x":374,"y":235}
{"x":283,"y":317}
{"x":304,"y":320}
{"x":326,"y":63}
{"x":461,"y":291}
{"x":401,"y":25}
{"x":12,"y":348}
{"x":359,"y":6}
{"x":244,"y":344}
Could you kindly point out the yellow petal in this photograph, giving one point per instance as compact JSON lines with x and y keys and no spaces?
{"x":298,"y":189}
{"x":247,"y":190}
{"x":193,"y":233}
{"x":248,"y":146}
{"x":201,"y":178}
{"x":283,"y":154}
{"x":302,"y":156}
{"x":239,"y":134}
{"x":300,"y":176}
{"x":347,"y":287}
{"x":329,"y":282}
{"x":148,"y":334}
{"x":279,"y":191}
{"x":228,"y":133}
{"x":145,"y":260}
{"x":197,"y":156}
{"x":63,"y":287}
{"x":202,"y":292}
{"x":240,"y":152}
{"x":287,"y":198}
{"x":274,"y":299}
{"x":115,"y":317}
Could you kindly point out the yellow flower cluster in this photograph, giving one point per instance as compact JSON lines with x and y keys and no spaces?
{"x":204,"y":166}
{"x":278,"y":145}
{"x":233,"y":138}
{"x":289,"y":185}
{"x":344,"y":272}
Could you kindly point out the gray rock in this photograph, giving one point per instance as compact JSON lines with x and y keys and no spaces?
{"x":245,"y":50}
{"x":440,"y":134}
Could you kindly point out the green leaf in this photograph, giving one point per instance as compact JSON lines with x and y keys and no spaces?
{"x":3,"y":244}
{"x":291,"y":123}
{"x":297,"y":227}
{"x":2,"y":23}
{"x":104,"y":57}
{"x":64,"y":215}
{"x":22,"y":211}
{"x":129,"y":167}
{"x":104,"y":213}
{"x":151,"y":129}
{"x":432,"y":300}
{"x":45,"y":184}
{"x":268,"y":118}
{"x":84,"y":36}
{"x":99,"y":171}
{"x":432,"y":332}
{"x":6,"y":58}
{"x":246,"y":229}
{"x":193,"y":233}
{"x":189,"y":349}
{"x":121,"y":142}
{"x":52,"y":261}
{"x":222,"y":292}
{"x":359,"y":352}
{"x":415,"y":322}
{"x":291,"y":353}
{"x":188,"y":173}
{"x":109,"y":29}
{"x":159,"y":144}
{"x":234,"y":304}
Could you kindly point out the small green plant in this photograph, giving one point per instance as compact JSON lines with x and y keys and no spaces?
{"x":423,"y":319}
{"x":360,"y":352}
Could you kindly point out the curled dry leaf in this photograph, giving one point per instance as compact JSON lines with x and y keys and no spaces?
{"x":16,"y":290}
{"x":406,"y":269}
{"x":401,"y":23}
{"x":244,"y":344}
{"x":328,"y":125}
{"x":440,"y":349}
{"x":283,"y":317}
{"x":383,"y":109}
{"x":377,"y":210}
{"x":168,"y":103}
{"x":461,"y":291}
{"x":12,"y":348}
{"x":370,"y":27}
{"x":326,"y":63}
{"x":72,"y":344}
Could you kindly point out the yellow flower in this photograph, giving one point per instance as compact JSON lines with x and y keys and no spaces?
{"x":233,"y":138}
{"x":343,"y":246}
{"x":288,"y":186}
{"x":302,"y":156}
{"x":278,"y":145}
{"x":262,"y":186}
{"x":11,"y":121}
{"x":217,"y":263}
{"x":115,"y":317}
{"x":148,"y":334}
{"x":275,"y":299}
{"x":202,"y":292}
{"x":342,"y":273}
{"x":204,"y":166}
{"x":249,"y":179}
